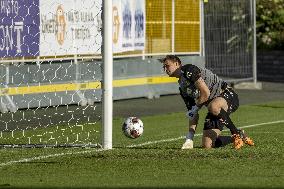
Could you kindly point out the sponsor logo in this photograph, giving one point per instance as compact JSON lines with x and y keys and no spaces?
{"x":139,"y":23}
{"x":188,"y":74}
{"x":127,"y":21}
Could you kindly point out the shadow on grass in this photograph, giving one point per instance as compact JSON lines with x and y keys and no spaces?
{"x":269,"y":106}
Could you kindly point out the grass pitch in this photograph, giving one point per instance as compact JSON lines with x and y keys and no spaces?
{"x":155,"y":160}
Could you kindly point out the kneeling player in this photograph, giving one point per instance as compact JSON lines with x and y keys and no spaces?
{"x":217,"y":117}
{"x":200,"y":87}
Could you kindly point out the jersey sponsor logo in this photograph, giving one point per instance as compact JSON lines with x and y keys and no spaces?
{"x":188,"y":74}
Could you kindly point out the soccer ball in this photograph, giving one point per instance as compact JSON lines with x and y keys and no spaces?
{"x":132,"y":127}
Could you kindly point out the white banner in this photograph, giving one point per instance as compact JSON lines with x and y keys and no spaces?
{"x":70,"y":27}
{"x":129,"y":18}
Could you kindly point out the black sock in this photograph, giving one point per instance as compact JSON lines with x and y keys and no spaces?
{"x":227,"y":121}
{"x":218,"y":143}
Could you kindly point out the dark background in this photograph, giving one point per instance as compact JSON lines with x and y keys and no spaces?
{"x":270,"y":66}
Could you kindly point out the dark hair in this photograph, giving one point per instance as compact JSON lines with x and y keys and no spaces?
{"x":172,"y":58}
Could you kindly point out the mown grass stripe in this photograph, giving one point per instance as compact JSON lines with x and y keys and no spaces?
{"x":199,"y":134}
{"x":131,"y":146}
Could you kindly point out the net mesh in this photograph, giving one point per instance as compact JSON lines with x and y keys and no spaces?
{"x":50,"y":93}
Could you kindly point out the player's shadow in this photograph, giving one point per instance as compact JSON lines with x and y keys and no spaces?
{"x":268,"y":106}
{"x":221,"y":141}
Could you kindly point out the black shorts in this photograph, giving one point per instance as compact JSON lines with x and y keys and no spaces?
{"x":213,"y":122}
{"x":231,"y":98}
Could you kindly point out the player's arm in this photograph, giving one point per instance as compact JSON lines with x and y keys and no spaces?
{"x":189,"y":102}
{"x":194,"y":121}
{"x":193,"y":74}
{"x":204,"y":92}
{"x":192,"y":112}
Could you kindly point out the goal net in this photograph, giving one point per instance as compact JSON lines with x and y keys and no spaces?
{"x":49,"y":64}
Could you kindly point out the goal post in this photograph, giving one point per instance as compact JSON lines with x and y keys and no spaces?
{"x":107,"y":88}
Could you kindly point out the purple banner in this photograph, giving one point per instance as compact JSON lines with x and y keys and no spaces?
{"x":19,"y":28}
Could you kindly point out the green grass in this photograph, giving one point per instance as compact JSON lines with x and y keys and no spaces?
{"x":161,"y":164}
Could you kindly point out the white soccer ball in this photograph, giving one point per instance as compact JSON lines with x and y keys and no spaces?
{"x":132,"y":127}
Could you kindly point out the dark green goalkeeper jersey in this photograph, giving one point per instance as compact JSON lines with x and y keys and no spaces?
{"x":189,"y":75}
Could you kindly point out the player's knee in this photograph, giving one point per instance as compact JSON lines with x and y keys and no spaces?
{"x":214,"y":109}
{"x":206,"y":141}
{"x":209,"y":138}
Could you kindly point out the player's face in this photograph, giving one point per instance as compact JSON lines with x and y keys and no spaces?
{"x":170,"y":67}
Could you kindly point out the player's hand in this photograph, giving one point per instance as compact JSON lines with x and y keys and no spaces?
{"x":191,"y":114}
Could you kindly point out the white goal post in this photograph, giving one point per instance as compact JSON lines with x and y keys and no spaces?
{"x":107,"y":114}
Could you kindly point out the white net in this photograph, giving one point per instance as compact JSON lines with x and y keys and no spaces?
{"x":49,"y":73}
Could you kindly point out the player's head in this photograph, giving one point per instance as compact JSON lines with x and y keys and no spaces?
{"x":171,"y":65}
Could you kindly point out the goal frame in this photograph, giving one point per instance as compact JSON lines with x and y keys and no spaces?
{"x":107,"y":88}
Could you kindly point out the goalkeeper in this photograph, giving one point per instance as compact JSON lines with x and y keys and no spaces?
{"x":200,"y":87}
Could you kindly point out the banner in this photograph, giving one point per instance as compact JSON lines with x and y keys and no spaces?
{"x":30,"y":28}
{"x":70,"y":27}
{"x":128,"y":25}
{"x":19,"y":28}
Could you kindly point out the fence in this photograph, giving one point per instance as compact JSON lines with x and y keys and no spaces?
{"x":229,"y":38}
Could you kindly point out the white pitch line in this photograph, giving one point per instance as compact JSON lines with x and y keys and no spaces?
{"x":45,"y":157}
{"x":267,"y":132}
{"x":131,"y":146}
{"x":199,"y":134}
